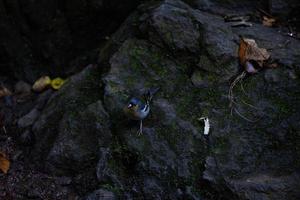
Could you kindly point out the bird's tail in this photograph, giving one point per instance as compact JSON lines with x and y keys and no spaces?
{"x":150,"y":93}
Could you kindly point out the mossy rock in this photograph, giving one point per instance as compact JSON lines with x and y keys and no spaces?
{"x":63,"y":142}
{"x":172,"y":136}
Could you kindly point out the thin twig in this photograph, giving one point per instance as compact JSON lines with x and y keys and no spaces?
{"x":241,"y":23}
{"x":265,"y":13}
{"x":242,"y":116}
{"x":231,"y":97}
{"x":4,"y":129}
{"x":230,"y":93}
{"x":242,"y":87}
{"x":250,"y":105}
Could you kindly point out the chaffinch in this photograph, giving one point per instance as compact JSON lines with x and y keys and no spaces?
{"x":139,"y":108}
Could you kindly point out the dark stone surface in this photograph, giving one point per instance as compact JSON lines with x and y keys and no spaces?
{"x":56,"y":38}
{"x":101,"y":194}
{"x":189,"y":52}
{"x":71,"y":128}
{"x":29,"y":118}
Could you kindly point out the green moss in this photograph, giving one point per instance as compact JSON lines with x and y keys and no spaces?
{"x":154,"y":58}
{"x":283,"y":106}
{"x":204,"y":62}
{"x":116,"y":190}
{"x":186,"y":106}
{"x":221,"y":146}
{"x":212,"y":77}
{"x":213,"y":96}
{"x":169,"y":36}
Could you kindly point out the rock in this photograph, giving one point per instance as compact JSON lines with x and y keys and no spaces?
{"x":43,"y":99}
{"x":101,"y":194}
{"x":258,"y":187}
{"x":272,"y":76}
{"x":63,"y":181}
{"x":203,"y":4}
{"x":186,"y":32}
{"x":211,"y":167}
{"x":170,"y":142}
{"x":152,"y":189}
{"x":22,"y":87}
{"x":251,"y":153}
{"x":283,"y":9}
{"x":223,"y":8}
{"x":198,"y":79}
{"x":9,"y":101}
{"x":73,"y":125}
{"x":27,"y":138}
{"x":172,"y":136}
{"x":175,"y":28}
{"x":29,"y":118}
{"x":102,"y":164}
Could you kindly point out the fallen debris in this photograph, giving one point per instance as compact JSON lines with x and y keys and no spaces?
{"x":251,"y":54}
{"x":4,"y":163}
{"x":206,"y":125}
{"x":238,"y":20}
{"x":57,"y":83}
{"x":4,"y":91}
{"x":41,"y":84}
{"x":268,"y":21}
{"x":45,"y":82}
{"x":252,"y":58}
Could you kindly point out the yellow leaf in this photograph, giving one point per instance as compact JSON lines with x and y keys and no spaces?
{"x":41,"y":84}
{"x":57,"y":83}
{"x":4,"y":163}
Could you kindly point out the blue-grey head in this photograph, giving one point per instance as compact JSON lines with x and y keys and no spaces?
{"x":137,"y":109}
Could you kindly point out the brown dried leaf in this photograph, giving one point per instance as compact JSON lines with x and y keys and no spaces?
{"x":268,"y":21}
{"x":4,"y":91}
{"x":273,"y":65}
{"x":248,"y":50}
{"x":242,"y":52}
{"x":4,"y":163}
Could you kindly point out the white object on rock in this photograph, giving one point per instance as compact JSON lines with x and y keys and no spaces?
{"x":206,"y":125}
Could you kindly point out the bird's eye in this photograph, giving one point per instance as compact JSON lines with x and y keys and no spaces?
{"x":129,"y":105}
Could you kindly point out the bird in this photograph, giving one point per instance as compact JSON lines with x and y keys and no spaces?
{"x":138,"y":108}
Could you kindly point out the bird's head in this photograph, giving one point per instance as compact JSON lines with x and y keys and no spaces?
{"x":132,"y":105}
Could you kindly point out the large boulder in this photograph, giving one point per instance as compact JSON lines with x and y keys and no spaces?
{"x":171,"y":149}
{"x":73,"y":125}
{"x":257,"y":143}
{"x":252,"y":151}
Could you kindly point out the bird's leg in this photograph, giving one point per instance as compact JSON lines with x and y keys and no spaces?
{"x":140,"y":132}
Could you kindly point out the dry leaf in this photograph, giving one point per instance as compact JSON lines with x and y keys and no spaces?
{"x":272,"y":65}
{"x":268,"y":21}
{"x":57,"y":83}
{"x":41,"y":84}
{"x":242,"y":52}
{"x":4,"y":163}
{"x":4,"y":92}
{"x":249,"y":51}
